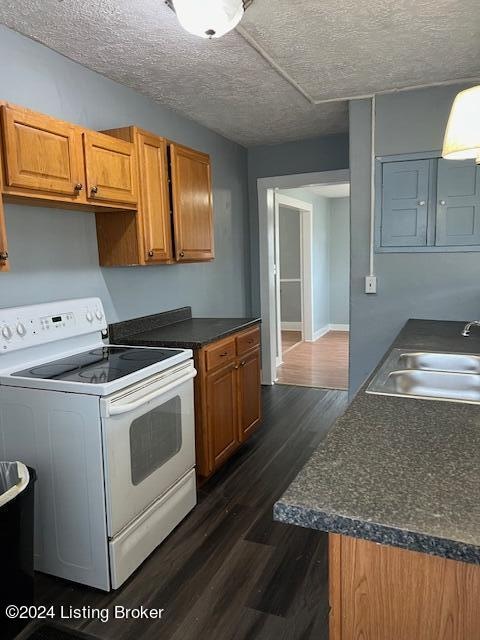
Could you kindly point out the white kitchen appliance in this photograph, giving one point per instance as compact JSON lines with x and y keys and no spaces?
{"x":110,"y":432}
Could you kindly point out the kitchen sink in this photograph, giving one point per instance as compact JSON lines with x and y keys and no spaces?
{"x":455,"y":362}
{"x":430,"y":375}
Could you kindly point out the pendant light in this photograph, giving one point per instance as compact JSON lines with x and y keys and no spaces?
{"x":209,"y":18}
{"x":462,"y":136}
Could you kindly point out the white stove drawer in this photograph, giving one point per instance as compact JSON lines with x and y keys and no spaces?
{"x":135,"y":543}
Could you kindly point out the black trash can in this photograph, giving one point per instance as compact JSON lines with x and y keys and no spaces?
{"x":16,"y":543}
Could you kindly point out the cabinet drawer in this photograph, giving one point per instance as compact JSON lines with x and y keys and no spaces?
{"x":220,"y":354}
{"x":248,"y":340}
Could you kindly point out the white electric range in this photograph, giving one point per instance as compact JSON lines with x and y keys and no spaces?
{"x":110,"y":432}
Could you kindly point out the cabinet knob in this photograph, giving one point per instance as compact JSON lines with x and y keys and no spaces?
{"x":150,"y":254}
{"x":3,"y":256}
{"x":94,"y":190}
{"x":78,"y":187}
{"x":182,"y":254}
{"x":421,"y":203}
{"x":442,"y":202}
{"x":243,"y":363}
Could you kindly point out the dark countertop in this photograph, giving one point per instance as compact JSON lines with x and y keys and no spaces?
{"x":399,"y":471}
{"x":184,"y":332}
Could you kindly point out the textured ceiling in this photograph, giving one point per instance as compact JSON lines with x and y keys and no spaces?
{"x":330,"y":50}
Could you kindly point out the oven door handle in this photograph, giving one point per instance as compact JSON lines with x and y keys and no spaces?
{"x":131,"y":406}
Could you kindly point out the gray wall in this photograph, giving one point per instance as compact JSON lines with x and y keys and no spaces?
{"x":412,"y":285}
{"x":289,"y":243}
{"x":53,"y":252}
{"x":326,"y":153}
{"x":290,"y":265}
{"x":339,"y":260}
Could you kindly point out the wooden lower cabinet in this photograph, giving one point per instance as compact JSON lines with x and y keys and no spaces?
{"x":227,"y":398}
{"x":379,"y":592}
{"x":222,"y":412}
{"x":248,"y":395}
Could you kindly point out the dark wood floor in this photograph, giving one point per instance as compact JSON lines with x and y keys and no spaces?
{"x":228,"y":572}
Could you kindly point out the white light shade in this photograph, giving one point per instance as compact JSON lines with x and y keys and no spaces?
{"x":462,"y":137}
{"x":209,"y":18}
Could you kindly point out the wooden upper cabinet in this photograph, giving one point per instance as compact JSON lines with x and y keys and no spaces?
{"x":154,"y":198}
{"x":111,"y":169}
{"x":146,"y":236}
{"x":4,"y":264}
{"x":192,"y":204}
{"x":41,"y":154}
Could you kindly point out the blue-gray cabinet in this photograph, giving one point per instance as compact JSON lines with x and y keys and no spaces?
{"x":427,"y":204}
{"x":405,"y":203}
{"x":458,"y":203}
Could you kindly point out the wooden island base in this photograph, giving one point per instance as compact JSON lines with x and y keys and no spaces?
{"x":379,"y":592}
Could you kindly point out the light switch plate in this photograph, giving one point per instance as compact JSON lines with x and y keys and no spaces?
{"x":370,"y":284}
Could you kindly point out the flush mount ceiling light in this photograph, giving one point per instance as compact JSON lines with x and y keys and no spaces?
{"x":209,"y":18}
{"x":462,"y":136}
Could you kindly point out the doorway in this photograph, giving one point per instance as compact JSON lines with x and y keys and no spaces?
{"x":291,"y":353}
{"x":292,"y":272}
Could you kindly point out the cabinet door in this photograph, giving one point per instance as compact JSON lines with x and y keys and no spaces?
{"x":111,"y":169}
{"x":405,"y":199}
{"x":249,"y":392}
{"x":4,"y":264}
{"x":154,"y":198}
{"x":458,"y":203}
{"x":192,"y":204}
{"x":222,"y":414}
{"x":41,"y":153}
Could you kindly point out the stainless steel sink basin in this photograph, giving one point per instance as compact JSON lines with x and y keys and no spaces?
{"x":457,"y":362}
{"x":435,"y":376}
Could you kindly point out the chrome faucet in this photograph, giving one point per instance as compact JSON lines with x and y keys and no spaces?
{"x":468,"y":326}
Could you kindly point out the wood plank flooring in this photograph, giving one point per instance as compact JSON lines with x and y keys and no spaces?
{"x":228,"y":572}
{"x":322,"y":364}
{"x":290,"y":339}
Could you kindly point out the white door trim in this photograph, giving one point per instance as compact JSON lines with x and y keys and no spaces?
{"x":266,"y":222}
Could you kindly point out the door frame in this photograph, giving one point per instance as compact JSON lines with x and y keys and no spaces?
{"x":305,"y":211}
{"x":266,"y":229}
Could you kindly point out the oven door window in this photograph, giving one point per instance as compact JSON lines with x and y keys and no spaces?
{"x":155,"y":438}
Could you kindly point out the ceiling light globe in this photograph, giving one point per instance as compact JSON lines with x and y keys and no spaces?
{"x":209,"y":18}
{"x":462,"y":136}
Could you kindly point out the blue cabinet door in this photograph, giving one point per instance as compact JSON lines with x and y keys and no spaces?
{"x":458,"y":203}
{"x":405,"y":202}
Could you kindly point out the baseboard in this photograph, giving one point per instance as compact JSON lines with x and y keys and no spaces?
{"x":339,"y":327}
{"x":292,"y":326}
{"x":320,"y":332}
{"x":329,"y":327}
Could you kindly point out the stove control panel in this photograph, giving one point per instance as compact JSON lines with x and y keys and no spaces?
{"x":22,"y":327}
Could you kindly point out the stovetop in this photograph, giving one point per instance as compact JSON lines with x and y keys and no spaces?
{"x":98,"y":366}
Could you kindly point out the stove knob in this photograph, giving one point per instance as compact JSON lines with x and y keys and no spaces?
{"x":89,"y":316}
{"x":99,"y":314}
{"x":6,"y":332}
{"x":21,"y":330}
